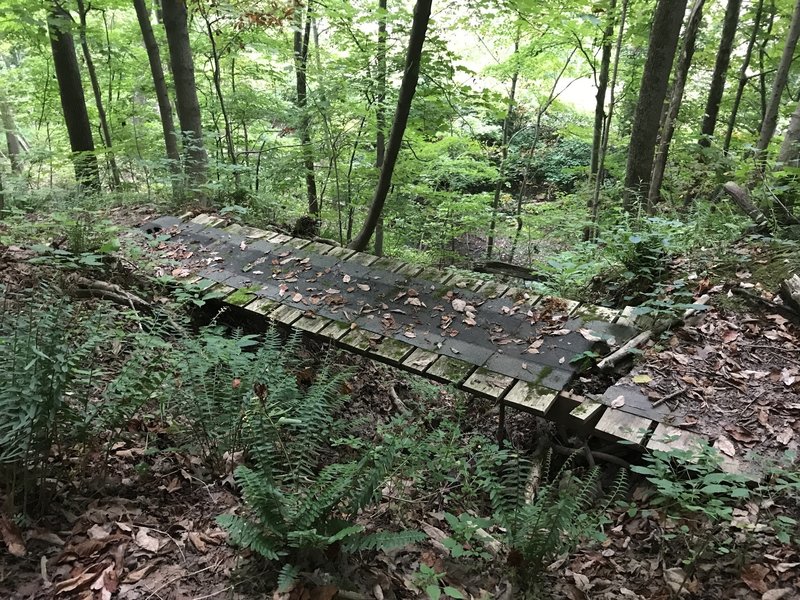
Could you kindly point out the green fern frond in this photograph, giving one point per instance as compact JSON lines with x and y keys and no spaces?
{"x":287,"y":577}
{"x":245,"y":534}
{"x":385,"y":540}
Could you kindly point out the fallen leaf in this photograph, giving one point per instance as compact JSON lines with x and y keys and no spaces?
{"x":346,"y":278}
{"x":589,"y":335}
{"x":724,"y":445}
{"x":409,"y":334}
{"x":642,"y":378}
{"x":459,"y":305}
{"x":618,"y":402}
{"x":363,"y":287}
{"x":777,"y":594}
{"x":785,"y":436}
{"x":753,"y":577}
{"x":145,"y":541}
{"x":12,"y":537}
{"x":197,"y":542}
{"x":297,"y":297}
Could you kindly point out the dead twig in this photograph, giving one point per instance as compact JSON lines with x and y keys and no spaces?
{"x":670,"y":396}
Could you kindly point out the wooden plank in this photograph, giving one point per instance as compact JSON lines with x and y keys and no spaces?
{"x":201,"y":282}
{"x":530,"y":398}
{"x":254,"y":233}
{"x":591,"y":312}
{"x":623,"y":426}
{"x":435,"y":275}
{"x":279,"y":238}
{"x":488,"y":383}
{"x":409,"y":270}
{"x":311,"y":324}
{"x":285,"y":314}
{"x":388,"y":264}
{"x":587,"y":410}
{"x":492,"y":289}
{"x":362,"y":258}
{"x":360,"y":340}
{"x":318,"y":248}
{"x":522,"y":295}
{"x":297,"y":243}
{"x":203,"y":219}
{"x":465,"y":283}
{"x":392,"y":350}
{"x":334,"y":330}
{"x":221,"y":289}
{"x":341,"y":252}
{"x":450,"y":370}
{"x":668,"y":438}
{"x":242,"y":297}
{"x":626,"y":317}
{"x":262,"y":306}
{"x":420,"y":360}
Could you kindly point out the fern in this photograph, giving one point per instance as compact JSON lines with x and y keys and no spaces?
{"x":385,"y":540}
{"x":287,"y":577}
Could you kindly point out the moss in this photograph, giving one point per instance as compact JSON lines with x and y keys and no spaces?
{"x":242,"y":296}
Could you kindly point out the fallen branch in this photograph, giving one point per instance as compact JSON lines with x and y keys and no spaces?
{"x":786,"y":310}
{"x":741,"y":197}
{"x":617,"y":356}
{"x":790,"y":292}
{"x":670,"y":396}
{"x":503,"y":268}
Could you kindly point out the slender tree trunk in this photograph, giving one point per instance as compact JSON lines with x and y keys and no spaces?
{"x":419,"y":27}
{"x":12,"y":141}
{"x":742,"y":78}
{"x":98,"y":98}
{"x":653,"y":89}
{"x":671,"y":115}
{"x":217,"y":80}
{"x":302,"y":32}
{"x":507,"y":121}
{"x":162,"y":96}
{"x":602,"y":88}
{"x":721,"y":65}
{"x":73,"y":102}
{"x":380,"y":111}
{"x":180,"y":53}
{"x":762,"y":54}
{"x":778,"y":85}
{"x":594,"y":204}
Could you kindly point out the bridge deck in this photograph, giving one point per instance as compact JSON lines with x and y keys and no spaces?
{"x":481,"y":336}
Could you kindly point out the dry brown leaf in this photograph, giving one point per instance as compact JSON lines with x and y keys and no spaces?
{"x":777,"y":594}
{"x":753,"y":577}
{"x":785,"y":436}
{"x":346,"y":278}
{"x":459,"y":305}
{"x":198,"y":542}
{"x":145,"y":541}
{"x":363,"y":287}
{"x":724,"y":445}
{"x":618,"y":402}
{"x":12,"y":537}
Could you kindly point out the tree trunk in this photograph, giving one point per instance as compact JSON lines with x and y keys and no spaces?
{"x":380,"y":111}
{"x":671,"y":116}
{"x":419,"y":27}
{"x":778,"y":85}
{"x":73,"y":102}
{"x":652,"y":92}
{"x":742,"y":79}
{"x":498,"y":188}
{"x":721,"y":65}
{"x":217,"y":80}
{"x":602,"y":87}
{"x":180,"y":54}
{"x":762,"y":70}
{"x":162,"y":96}
{"x":788,"y":158}
{"x":12,"y":141}
{"x":98,"y":99}
{"x":301,"y":37}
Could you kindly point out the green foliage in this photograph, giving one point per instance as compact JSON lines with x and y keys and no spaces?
{"x":567,"y":507}
{"x":298,"y":503}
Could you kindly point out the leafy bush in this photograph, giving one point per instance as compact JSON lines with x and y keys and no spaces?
{"x":567,"y":507}
{"x":297,"y":505}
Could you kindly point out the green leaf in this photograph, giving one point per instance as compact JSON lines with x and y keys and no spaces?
{"x":433,"y":591}
{"x":453,"y":593}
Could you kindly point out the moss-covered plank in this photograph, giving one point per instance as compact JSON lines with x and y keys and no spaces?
{"x":436,"y":275}
{"x":297,"y":243}
{"x":388,"y":264}
{"x":449,"y":370}
{"x":587,"y":410}
{"x":360,"y":340}
{"x":318,"y":248}
{"x":279,"y":238}
{"x":488,"y":383}
{"x":623,"y":426}
{"x":311,"y":323}
{"x":530,"y":397}
{"x":591,"y":312}
{"x":335,"y":330}
{"x":668,"y":438}
{"x":419,"y":360}
{"x":409,"y":270}
{"x":262,"y":306}
{"x":392,"y":350}
{"x":285,"y":314}
{"x":492,"y":289}
{"x":242,"y":296}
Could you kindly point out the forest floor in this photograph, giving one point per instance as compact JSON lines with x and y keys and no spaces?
{"x":144,"y":528}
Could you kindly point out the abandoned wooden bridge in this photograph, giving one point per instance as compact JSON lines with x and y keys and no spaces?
{"x":484,"y":337}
